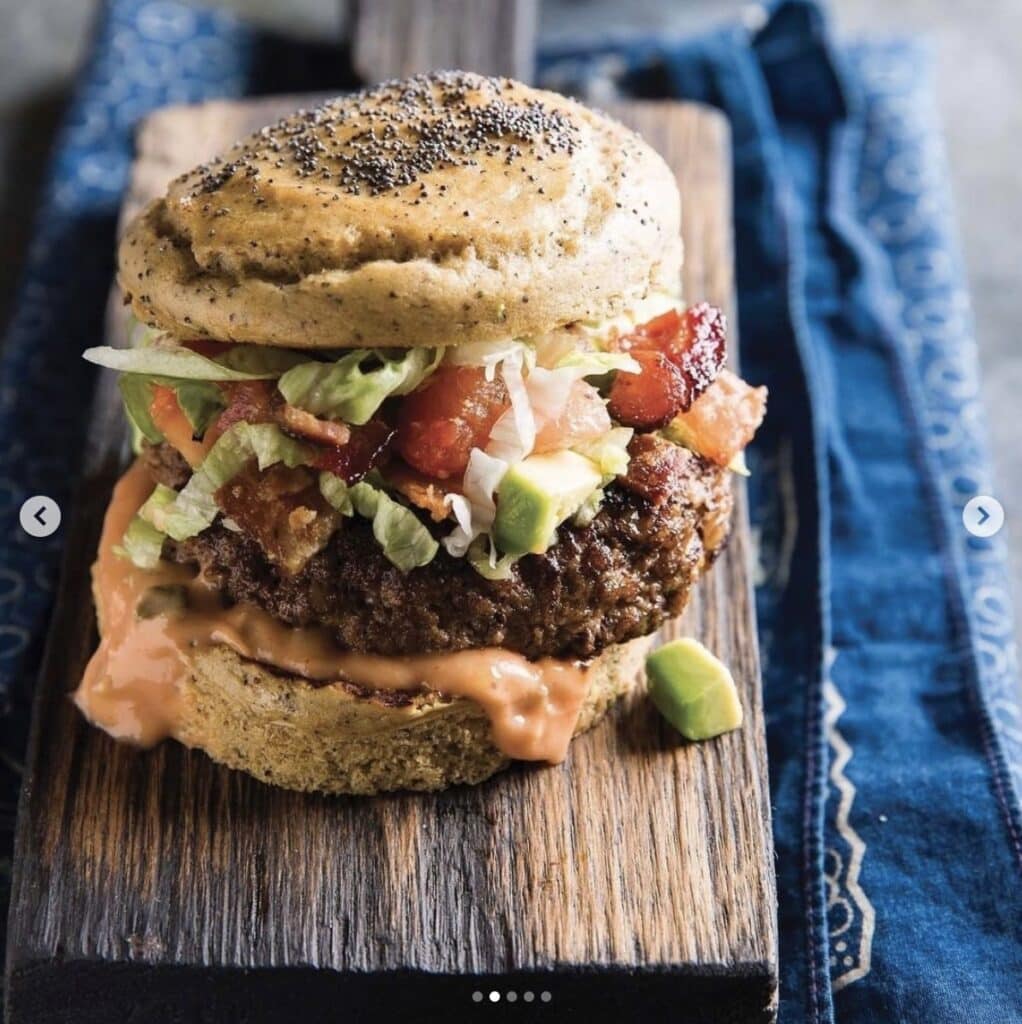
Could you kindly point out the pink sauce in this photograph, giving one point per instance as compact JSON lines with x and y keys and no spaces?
{"x":131,"y":686}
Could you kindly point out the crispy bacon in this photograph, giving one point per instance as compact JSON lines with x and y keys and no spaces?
{"x":282,"y":510}
{"x":250,"y":401}
{"x":304,"y":424}
{"x":367,"y":447}
{"x":692,"y":344}
{"x":657,"y":469}
{"x":424,"y":492}
{"x":651,"y":398}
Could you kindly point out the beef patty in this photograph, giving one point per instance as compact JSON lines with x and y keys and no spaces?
{"x":618,"y":578}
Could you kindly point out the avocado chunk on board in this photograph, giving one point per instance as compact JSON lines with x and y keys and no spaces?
{"x":693,"y":690}
{"x":537,"y":495}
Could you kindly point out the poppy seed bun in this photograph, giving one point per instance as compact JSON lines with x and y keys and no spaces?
{"x":327,"y":738}
{"x":444,"y":209}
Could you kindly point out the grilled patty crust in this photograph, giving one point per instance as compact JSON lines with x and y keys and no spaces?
{"x":616,"y":579}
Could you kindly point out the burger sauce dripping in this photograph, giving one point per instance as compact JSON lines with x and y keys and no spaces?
{"x":132,"y":685}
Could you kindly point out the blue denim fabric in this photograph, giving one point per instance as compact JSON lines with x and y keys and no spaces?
{"x":890,"y":671}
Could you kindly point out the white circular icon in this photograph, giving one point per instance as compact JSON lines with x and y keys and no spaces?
{"x":39,"y":516}
{"x":983,"y":515}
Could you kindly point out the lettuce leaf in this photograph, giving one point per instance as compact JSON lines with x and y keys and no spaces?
{"x":137,"y":393}
{"x":596,"y":364}
{"x":405,"y":541}
{"x":355,"y":386}
{"x":336,"y":492}
{"x":142,"y":544}
{"x":609,"y":452}
{"x":240,"y":362}
{"x":194,"y":508}
{"x":482,"y":556}
{"x":201,"y":401}
{"x":154,"y":509}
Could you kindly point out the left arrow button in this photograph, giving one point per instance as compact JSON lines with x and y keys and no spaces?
{"x":40,"y":516}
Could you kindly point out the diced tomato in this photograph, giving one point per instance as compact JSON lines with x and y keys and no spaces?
{"x":174,"y":425}
{"x":250,"y":401}
{"x":440,"y":424}
{"x":365,"y":448}
{"x":583,"y":417}
{"x":651,"y":398}
{"x":723,"y":420}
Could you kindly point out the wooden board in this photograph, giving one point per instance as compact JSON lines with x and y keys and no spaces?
{"x":633,"y":882}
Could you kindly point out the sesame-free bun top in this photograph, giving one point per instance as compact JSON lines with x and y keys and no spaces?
{"x":439,"y":210}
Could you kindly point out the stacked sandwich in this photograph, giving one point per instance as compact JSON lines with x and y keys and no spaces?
{"x":428,"y":443}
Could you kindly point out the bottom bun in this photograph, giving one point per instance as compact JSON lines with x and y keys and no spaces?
{"x":291,"y":733}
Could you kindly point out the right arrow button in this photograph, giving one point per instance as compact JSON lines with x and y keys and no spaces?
{"x":983,"y":515}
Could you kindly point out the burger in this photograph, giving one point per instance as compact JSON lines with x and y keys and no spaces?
{"x":428,"y":444}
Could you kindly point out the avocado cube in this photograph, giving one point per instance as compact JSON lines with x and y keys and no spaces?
{"x":693,"y":690}
{"x":537,"y":495}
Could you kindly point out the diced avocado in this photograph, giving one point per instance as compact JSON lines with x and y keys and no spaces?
{"x":693,"y":690}
{"x":537,"y":495}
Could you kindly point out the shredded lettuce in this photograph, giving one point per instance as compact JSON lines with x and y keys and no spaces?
{"x":239,"y":362}
{"x":142,"y":544}
{"x":201,"y":401}
{"x":595,"y":364}
{"x":336,"y":492}
{"x":514,"y":434}
{"x":589,"y":509}
{"x":137,"y":393}
{"x":739,"y":465}
{"x":355,"y":386}
{"x":405,"y":541}
{"x":490,"y":354}
{"x":194,"y":508}
{"x":482,"y":556}
{"x":152,"y":511}
{"x":609,"y":452}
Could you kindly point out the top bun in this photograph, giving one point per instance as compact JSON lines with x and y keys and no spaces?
{"x":443,"y":209}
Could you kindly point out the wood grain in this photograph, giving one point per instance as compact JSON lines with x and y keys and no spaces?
{"x":631,"y":882}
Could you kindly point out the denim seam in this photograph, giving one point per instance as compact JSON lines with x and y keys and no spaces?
{"x":814,"y":792}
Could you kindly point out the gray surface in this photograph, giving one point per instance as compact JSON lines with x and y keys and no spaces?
{"x":979,"y":82}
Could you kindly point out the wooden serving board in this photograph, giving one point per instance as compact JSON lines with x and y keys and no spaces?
{"x":633,"y":882}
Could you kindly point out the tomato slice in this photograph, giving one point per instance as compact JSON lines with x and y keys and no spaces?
{"x":583,"y":418}
{"x":174,"y":425}
{"x":440,"y":424}
{"x":724,"y":419}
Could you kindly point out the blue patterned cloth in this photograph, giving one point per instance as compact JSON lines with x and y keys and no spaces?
{"x":890,"y":668}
